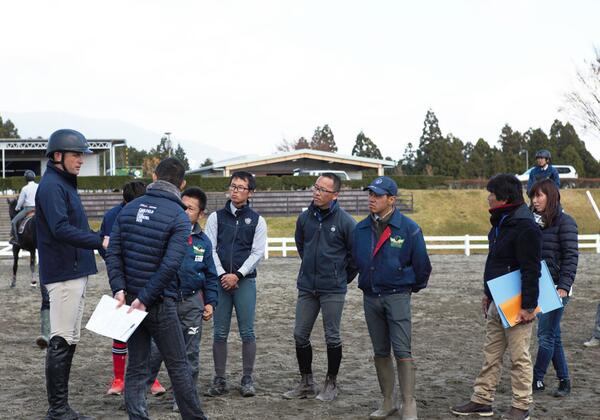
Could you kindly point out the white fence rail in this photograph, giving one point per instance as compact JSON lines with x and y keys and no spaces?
{"x":466,"y":243}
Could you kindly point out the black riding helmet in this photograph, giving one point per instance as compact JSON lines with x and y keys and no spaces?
{"x":29,"y":175}
{"x":543,"y":153}
{"x":67,"y":140}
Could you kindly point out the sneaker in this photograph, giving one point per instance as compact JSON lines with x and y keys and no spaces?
{"x":247,"y":386}
{"x":218,"y":387}
{"x":516,"y":414}
{"x":329,"y":390}
{"x":117,"y":387}
{"x":157,"y":389}
{"x":592,"y":342}
{"x":306,"y":388}
{"x":538,"y":386}
{"x":474,"y":408}
{"x":564,"y":388}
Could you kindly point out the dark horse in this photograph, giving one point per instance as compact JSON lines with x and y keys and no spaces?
{"x":27,"y":241}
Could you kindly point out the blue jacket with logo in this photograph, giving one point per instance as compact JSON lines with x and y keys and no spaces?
{"x":65,"y":241}
{"x":148,"y":243}
{"x":401,"y":263}
{"x":324,"y":242}
{"x":235,"y":237}
{"x":198,"y":272}
{"x":538,"y":173}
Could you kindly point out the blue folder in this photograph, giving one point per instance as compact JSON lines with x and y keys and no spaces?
{"x":508,"y":286}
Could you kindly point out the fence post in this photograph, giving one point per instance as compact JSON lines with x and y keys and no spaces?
{"x":267,"y":249}
{"x":467,"y":245}
{"x":284,"y":247}
{"x":598,"y":244}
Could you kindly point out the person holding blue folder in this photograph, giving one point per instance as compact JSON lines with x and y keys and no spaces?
{"x":515,"y":243}
{"x":560,"y":251}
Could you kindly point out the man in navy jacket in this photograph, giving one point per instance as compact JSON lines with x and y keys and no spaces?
{"x":197,"y":279}
{"x":65,"y":245}
{"x":147,"y":246}
{"x":390,"y":252}
{"x":324,"y":242}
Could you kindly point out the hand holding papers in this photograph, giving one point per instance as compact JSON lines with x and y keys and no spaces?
{"x":115,"y":323}
{"x":506,"y":291}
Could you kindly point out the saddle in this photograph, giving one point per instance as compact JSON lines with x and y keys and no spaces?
{"x":23,"y":223}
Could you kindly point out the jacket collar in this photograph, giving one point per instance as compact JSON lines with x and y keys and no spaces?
{"x":395,"y":220}
{"x":243,"y":209}
{"x":165,"y":189}
{"x":68,"y":177}
{"x":509,"y":213}
{"x":196,"y":230}
{"x":315,"y":211}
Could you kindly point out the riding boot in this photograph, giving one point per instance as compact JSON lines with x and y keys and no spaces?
{"x":387,"y":378}
{"x":59,"y":359}
{"x":406,"y":379}
{"x":44,"y":338}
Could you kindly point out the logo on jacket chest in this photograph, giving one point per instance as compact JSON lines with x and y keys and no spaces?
{"x":396,"y":241}
{"x":247,"y":220}
{"x":198,"y":253}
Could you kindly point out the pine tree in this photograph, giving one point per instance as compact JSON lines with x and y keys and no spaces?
{"x":180,"y":154}
{"x":8,"y":130}
{"x":323,"y":140}
{"x":428,"y":143}
{"x":511,"y":143}
{"x":408,"y":161}
{"x":365,"y":147}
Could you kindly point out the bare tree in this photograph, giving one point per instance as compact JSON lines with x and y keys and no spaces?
{"x":583,"y":102}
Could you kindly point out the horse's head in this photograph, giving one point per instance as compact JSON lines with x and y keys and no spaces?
{"x":12,"y":204}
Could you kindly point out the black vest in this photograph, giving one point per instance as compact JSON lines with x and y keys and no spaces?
{"x":235,"y":235}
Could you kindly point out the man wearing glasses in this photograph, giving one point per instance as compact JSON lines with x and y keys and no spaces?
{"x":238,"y":235}
{"x":324,"y":241}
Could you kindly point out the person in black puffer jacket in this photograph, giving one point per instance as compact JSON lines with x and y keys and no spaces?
{"x":559,"y":250}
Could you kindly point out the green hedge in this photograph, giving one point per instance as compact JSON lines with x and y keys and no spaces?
{"x":263,"y":183}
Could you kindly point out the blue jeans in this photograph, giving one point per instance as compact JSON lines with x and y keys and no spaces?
{"x":550,"y":346}
{"x":244,"y":300}
{"x":307,"y":310}
{"x":389,"y":323}
{"x":162,"y":325}
{"x":189,"y":311}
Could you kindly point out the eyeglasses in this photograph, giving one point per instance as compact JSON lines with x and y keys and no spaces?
{"x":321,"y":190}
{"x":238,"y":188}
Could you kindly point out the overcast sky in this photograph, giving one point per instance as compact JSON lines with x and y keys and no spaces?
{"x":243,"y":75}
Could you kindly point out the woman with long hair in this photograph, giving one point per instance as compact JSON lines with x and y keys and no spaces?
{"x":559,"y":250}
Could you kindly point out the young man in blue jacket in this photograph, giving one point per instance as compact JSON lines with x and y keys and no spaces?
{"x":543,"y":170}
{"x":65,"y":245}
{"x":238,"y":235}
{"x":392,"y":259}
{"x":515,"y":244}
{"x":197,"y":279}
{"x":131,"y":191}
{"x":147,"y":247}
{"x":324,"y":242}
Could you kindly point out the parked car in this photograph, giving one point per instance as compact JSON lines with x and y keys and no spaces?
{"x":567,"y":173}
{"x":318,"y":172}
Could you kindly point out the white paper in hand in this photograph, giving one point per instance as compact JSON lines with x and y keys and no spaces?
{"x":115,"y":323}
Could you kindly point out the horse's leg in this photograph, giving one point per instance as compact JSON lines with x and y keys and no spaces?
{"x":32,"y":268}
{"x":15,"y":250}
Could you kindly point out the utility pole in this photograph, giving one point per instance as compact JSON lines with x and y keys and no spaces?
{"x":168,"y":144}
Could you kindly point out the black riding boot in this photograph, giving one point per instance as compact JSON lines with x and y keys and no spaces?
{"x":59,"y":358}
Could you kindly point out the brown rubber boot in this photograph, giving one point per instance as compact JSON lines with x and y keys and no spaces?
{"x":387,"y":380}
{"x":406,"y":380}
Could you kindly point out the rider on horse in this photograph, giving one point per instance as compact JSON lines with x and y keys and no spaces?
{"x":25,"y":205}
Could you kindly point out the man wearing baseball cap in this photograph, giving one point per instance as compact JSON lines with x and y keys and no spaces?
{"x":390,"y":252}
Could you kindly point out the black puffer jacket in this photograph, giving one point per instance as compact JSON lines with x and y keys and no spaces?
{"x":515,"y":244}
{"x":560,"y":250}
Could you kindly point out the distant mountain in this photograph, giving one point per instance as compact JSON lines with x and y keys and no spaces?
{"x":42,"y":124}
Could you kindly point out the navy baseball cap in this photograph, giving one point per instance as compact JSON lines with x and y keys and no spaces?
{"x":383,"y":185}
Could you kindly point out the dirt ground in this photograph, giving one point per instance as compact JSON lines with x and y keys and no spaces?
{"x":447,"y":341}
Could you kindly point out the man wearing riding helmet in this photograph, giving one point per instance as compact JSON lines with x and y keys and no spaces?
{"x":543,"y":170}
{"x":65,"y":244}
{"x":25,"y":204}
